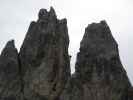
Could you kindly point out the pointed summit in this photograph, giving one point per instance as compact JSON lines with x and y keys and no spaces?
{"x":9,"y":49}
{"x":99,"y":74}
{"x":44,"y":57}
{"x":104,"y":22}
{"x":52,"y":12}
{"x":98,"y":40}
{"x":10,"y":44}
{"x":42,"y":13}
{"x":9,"y":73}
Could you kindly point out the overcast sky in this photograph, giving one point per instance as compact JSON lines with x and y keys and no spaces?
{"x":16,"y":15}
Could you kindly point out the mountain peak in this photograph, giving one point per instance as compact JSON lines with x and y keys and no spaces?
{"x":44,"y":14}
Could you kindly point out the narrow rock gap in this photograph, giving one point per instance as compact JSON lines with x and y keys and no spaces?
{"x":73,"y":51}
{"x":72,"y":63}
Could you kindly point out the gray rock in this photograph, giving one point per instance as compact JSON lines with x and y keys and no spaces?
{"x":10,"y":86}
{"x":99,"y":73}
{"x":130,"y":93}
{"x":44,"y":57}
{"x":41,"y":70}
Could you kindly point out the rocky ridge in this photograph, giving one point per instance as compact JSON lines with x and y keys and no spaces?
{"x":41,"y":69}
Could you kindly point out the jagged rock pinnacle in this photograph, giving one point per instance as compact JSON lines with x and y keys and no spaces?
{"x":42,"y":13}
{"x":9,"y":49}
{"x":41,"y":70}
{"x":10,"y":85}
{"x":44,"y":57}
{"x":10,"y":44}
{"x":98,"y":41}
{"x":52,"y":12}
{"x":45,"y":15}
{"x":99,"y":73}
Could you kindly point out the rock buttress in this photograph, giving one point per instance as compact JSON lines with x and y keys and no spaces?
{"x":44,"y":57}
{"x":99,"y":73}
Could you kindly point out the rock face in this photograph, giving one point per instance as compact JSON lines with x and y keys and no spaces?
{"x":99,"y":73}
{"x":44,"y":57}
{"x":41,"y":70}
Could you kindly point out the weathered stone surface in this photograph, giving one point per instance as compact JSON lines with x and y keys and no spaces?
{"x":99,"y":73}
{"x":41,"y":70}
{"x":44,"y":57}
{"x":10,"y":86}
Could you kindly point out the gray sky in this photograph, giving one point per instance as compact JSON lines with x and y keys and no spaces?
{"x":16,"y":15}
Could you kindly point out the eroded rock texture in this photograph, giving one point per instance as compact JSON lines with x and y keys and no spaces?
{"x":99,"y":73}
{"x":41,"y":70}
{"x":44,"y":57}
